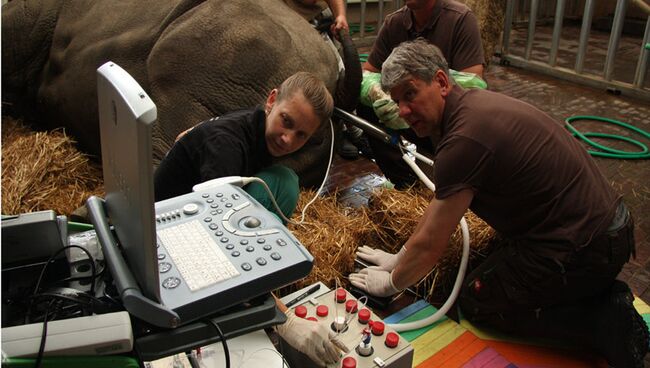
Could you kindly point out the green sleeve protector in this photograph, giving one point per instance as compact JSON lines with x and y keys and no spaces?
{"x":467,"y":80}
{"x":370,"y":84}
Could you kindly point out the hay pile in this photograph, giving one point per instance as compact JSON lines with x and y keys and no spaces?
{"x":44,"y":171}
{"x":332,"y":234}
{"x":490,"y":15}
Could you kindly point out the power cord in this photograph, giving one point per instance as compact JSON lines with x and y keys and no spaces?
{"x":223,"y":341}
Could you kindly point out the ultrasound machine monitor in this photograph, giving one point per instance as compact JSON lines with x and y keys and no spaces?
{"x":186,"y":257}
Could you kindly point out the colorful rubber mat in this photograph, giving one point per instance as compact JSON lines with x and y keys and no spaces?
{"x":450,"y":344}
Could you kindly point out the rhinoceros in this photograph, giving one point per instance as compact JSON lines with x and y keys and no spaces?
{"x":196,"y":59}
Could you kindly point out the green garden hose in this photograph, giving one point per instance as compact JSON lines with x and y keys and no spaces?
{"x":607,"y":151}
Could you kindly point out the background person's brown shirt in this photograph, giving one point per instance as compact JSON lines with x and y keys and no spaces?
{"x":453,"y":28}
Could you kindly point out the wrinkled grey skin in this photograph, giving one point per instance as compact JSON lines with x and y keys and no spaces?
{"x":196,"y":60}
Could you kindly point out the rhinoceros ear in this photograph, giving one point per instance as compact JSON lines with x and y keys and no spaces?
{"x":270,"y":100}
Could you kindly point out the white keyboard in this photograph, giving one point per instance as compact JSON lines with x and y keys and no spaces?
{"x":196,"y":255}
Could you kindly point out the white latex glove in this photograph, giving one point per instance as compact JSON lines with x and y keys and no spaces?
{"x":375,"y":281}
{"x":388,"y":113}
{"x":315,"y":339}
{"x":385,"y":261}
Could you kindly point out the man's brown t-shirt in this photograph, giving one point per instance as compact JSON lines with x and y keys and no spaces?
{"x":531,"y":179}
{"x":453,"y":28}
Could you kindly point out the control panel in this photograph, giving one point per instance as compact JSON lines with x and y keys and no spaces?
{"x":220,"y":244}
{"x":369,"y":341}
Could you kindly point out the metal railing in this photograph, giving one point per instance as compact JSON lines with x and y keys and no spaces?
{"x":364,"y":18}
{"x":577,"y":74}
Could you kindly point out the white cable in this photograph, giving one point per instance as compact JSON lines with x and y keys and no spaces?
{"x":399,"y":327}
{"x":329,"y":165}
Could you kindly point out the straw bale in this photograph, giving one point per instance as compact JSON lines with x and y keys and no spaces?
{"x":44,"y":171}
{"x":332,"y":233}
{"x":490,"y":15}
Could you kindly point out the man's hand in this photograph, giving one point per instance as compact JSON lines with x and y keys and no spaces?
{"x":385,"y":261}
{"x":340,"y":23}
{"x":375,"y":281}
{"x":315,"y":339}
{"x":388,"y":113}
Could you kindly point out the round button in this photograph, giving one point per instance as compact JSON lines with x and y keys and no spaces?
{"x":243,"y":242}
{"x":235,"y":253}
{"x":392,"y":339}
{"x":341,"y":295}
{"x":252,"y":222}
{"x":213,"y":226}
{"x":164,"y":267}
{"x":276,"y":256}
{"x":161,"y":256}
{"x":218,"y":233}
{"x":190,"y":209}
{"x":230,"y":246}
{"x":214,"y":205}
{"x":205,"y":195}
{"x":261,"y":240}
{"x":322,"y":311}
{"x":301,"y":311}
{"x":261,"y":261}
{"x":246,"y":266}
{"x":377,"y":328}
{"x":364,"y":316}
{"x":250,"y":248}
{"x":351,"y":306}
{"x":281,"y":242}
{"x":267,"y":247}
{"x":171,"y":282}
{"x":209,"y":200}
{"x":349,"y":362}
{"x":228,"y":205}
{"x":207,"y":219}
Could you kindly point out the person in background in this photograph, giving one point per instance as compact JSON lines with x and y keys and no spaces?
{"x":449,"y":25}
{"x":569,"y":233}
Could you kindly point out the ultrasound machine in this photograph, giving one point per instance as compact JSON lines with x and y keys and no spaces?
{"x":185,"y":264}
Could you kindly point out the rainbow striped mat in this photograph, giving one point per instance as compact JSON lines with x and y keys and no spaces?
{"x":450,"y":344}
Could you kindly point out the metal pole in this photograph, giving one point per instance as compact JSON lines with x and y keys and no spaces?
{"x":534,"y":5}
{"x":584,"y":35}
{"x":639,"y":76}
{"x":557,"y":31}
{"x":362,"y":24}
{"x":510,"y":6}
{"x":614,"y":38}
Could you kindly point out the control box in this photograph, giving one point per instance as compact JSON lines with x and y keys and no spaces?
{"x":369,"y":341}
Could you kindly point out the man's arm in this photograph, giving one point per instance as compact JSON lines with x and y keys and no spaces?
{"x":476,"y":69}
{"x":369,"y":67}
{"x":340,"y":19}
{"x":431,"y":237}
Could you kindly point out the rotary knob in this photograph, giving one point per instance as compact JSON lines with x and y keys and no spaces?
{"x":190,"y":209}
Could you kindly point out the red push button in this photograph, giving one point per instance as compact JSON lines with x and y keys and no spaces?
{"x":322,"y":311}
{"x":301,"y":311}
{"x":312,"y":318}
{"x":351,"y":306}
{"x":349,"y":362}
{"x":364,"y":316}
{"x":377,"y":328}
{"x":341,"y":295}
{"x":392,"y":339}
